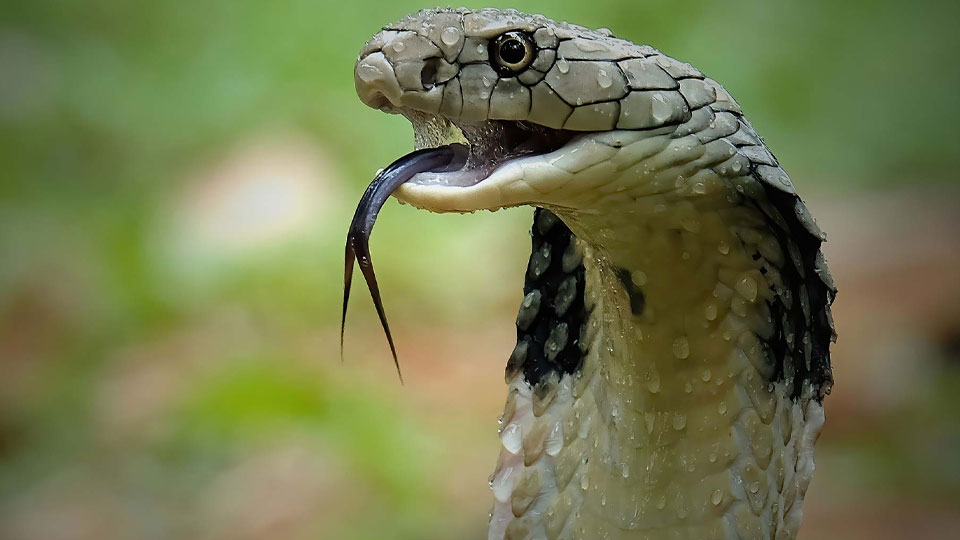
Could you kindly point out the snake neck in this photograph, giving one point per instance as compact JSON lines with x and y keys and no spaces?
{"x":644,"y":399}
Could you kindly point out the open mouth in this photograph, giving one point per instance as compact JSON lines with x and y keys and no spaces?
{"x":488,"y":145}
{"x":447,"y":154}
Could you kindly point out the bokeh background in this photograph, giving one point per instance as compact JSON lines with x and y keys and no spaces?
{"x":176,"y":179}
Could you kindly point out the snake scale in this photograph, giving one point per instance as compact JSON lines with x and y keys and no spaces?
{"x":673,"y":339}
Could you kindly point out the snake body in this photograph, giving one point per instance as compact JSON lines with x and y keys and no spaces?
{"x":673,"y":339}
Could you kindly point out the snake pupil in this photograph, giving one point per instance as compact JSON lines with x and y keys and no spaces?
{"x":512,"y":51}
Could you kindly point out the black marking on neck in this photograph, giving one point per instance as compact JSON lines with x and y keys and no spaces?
{"x":803,"y":327}
{"x":552,"y":313}
{"x":637,"y":300}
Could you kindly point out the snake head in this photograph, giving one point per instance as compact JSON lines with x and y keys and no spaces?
{"x":617,"y":140}
{"x":537,"y":103}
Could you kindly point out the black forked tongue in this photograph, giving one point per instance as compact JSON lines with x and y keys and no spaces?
{"x":441,"y":159}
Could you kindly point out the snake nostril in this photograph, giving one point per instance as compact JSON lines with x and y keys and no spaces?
{"x":428,"y":75}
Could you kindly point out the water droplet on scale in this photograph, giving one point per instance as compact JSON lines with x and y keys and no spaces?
{"x":450,"y":36}
{"x":717,"y":497}
{"x":562,"y":65}
{"x":659,"y":108}
{"x":399,"y":46}
{"x":654,"y":384}
{"x":604,"y":80}
{"x":681,"y":347}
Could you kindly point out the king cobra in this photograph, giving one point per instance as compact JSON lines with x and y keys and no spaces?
{"x":672,"y":352}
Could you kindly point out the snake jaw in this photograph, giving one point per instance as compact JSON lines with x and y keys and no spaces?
{"x":492,"y":149}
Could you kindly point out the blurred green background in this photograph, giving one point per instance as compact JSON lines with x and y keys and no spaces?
{"x":176,"y":179}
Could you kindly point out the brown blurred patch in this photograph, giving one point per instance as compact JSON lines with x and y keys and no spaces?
{"x":289,"y":490}
{"x":68,"y":506}
{"x":883,"y":520}
{"x":895,"y":257}
{"x":140,"y":384}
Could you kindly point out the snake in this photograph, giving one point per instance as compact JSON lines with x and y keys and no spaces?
{"x":673,"y":337}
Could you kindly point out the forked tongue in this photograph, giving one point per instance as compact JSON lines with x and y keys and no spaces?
{"x":440,"y":159}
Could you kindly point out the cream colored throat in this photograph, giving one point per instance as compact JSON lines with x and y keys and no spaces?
{"x":674,"y":426}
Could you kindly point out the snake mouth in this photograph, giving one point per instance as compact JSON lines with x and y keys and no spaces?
{"x":489,"y":145}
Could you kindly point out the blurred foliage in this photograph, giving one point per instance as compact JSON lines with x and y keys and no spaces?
{"x":139,"y":372}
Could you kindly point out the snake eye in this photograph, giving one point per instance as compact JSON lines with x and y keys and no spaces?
{"x":512,"y":52}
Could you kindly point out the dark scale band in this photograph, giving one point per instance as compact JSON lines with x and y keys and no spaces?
{"x":552,"y":312}
{"x":800,"y":346}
